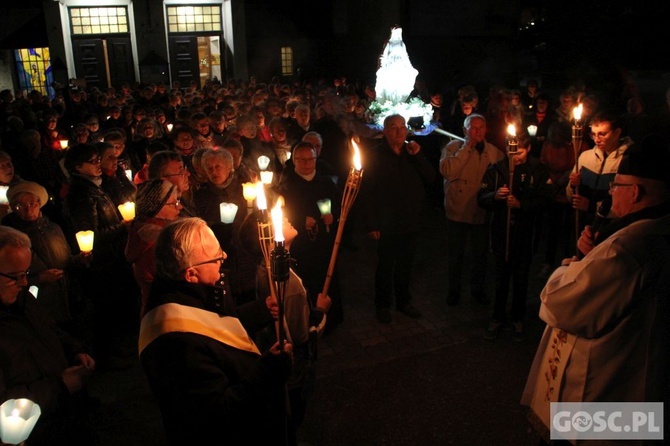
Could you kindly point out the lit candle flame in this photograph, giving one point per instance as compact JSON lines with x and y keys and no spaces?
{"x":357,"y":156}
{"x":64,"y":143}
{"x":249,"y":190}
{"x":278,"y":222}
{"x":577,"y":112}
{"x":261,"y":201}
{"x":511,"y":130}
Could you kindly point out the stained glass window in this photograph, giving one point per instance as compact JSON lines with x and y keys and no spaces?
{"x":33,"y":67}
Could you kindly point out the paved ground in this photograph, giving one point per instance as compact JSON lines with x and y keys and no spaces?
{"x":429,"y":381}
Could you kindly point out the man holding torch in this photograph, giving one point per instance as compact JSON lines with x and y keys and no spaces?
{"x":393,"y":197}
{"x":514,"y":214}
{"x":589,"y":180}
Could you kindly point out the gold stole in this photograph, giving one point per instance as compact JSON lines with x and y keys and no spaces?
{"x":172,"y":317}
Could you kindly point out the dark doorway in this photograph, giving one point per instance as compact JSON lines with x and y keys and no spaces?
{"x":104,"y":62}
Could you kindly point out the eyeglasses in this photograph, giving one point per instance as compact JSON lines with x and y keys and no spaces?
{"x":181,"y":173}
{"x":95,"y":160}
{"x":29,"y":205}
{"x":175,"y":203}
{"x":220,"y":259}
{"x":602,"y":135}
{"x":614,"y":185}
{"x":16,"y":279}
{"x":305,"y":160}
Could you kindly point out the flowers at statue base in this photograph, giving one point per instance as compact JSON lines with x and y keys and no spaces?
{"x":412,"y":108}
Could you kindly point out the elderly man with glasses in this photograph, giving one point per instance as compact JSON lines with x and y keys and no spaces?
{"x":607,"y":314}
{"x":39,"y":361}
{"x":210,"y":381}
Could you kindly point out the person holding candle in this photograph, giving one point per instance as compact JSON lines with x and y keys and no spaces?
{"x":302,"y":188}
{"x":305,"y":319}
{"x":531,"y":189}
{"x":158,"y":204}
{"x":7,"y":178}
{"x":115,"y":183}
{"x":392,"y":198}
{"x":463,"y":165}
{"x":109,"y":281}
{"x":53,"y":264}
{"x":596,"y":168}
{"x":40,"y":361}
{"x":607,"y":314}
{"x":207,"y":375}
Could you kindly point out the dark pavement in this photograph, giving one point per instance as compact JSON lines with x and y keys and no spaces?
{"x":428,"y":381}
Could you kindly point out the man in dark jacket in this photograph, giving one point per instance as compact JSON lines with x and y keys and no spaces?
{"x":523,"y":205}
{"x":39,"y":361}
{"x":393,"y":198}
{"x":211,"y":383}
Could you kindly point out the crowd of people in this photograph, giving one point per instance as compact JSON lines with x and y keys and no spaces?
{"x":194,"y":290}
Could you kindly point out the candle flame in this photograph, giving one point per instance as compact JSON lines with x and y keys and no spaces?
{"x":249,"y":191}
{"x":357,"y":156}
{"x":577,"y":112}
{"x":261,"y":201}
{"x":278,"y":222}
{"x":511,"y":130}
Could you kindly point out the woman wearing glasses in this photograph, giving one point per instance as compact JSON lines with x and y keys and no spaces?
{"x":109,"y":282}
{"x":52,"y":262}
{"x":157,"y":205}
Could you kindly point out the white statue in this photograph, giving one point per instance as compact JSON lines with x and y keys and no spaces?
{"x":396,"y":75}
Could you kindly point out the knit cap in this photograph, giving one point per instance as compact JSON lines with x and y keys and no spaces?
{"x":152,"y":196}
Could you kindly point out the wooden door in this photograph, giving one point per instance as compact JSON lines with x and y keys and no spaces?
{"x":89,"y":60}
{"x":120,"y":56}
{"x":184,"y":59}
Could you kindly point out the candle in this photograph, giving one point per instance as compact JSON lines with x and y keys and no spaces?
{"x":228,"y":212}
{"x":577,"y":112}
{"x":127,"y":210}
{"x":278,"y":223}
{"x":266,"y":176}
{"x":288,"y":155}
{"x":17,"y":420}
{"x":532,"y":131}
{"x":249,"y":193}
{"x":169,"y":127}
{"x":357,"y":156}
{"x":64,"y":144}
{"x":3,"y":195}
{"x":324,"y":206}
{"x":263,"y":162}
{"x":261,"y":201}
{"x":85,"y":240}
{"x":129,"y":174}
{"x":512,"y":144}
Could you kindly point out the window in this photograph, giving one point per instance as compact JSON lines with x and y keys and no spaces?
{"x":193,"y":18}
{"x":108,"y":20}
{"x":33,"y":67}
{"x":286,"y":61}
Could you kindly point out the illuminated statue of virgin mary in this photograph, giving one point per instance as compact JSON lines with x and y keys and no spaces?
{"x":396,"y":75}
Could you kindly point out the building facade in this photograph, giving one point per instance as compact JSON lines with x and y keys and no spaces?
{"x":107,"y":43}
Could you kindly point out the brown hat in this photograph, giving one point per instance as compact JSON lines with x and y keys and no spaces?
{"x":649,"y":159}
{"x":27,"y":187}
{"x":152,"y":196}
